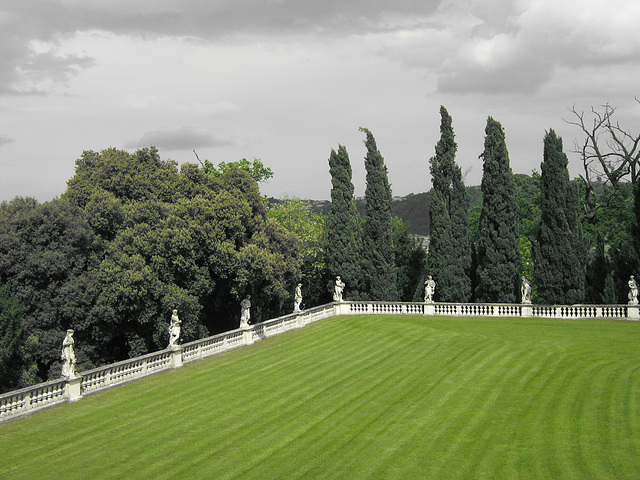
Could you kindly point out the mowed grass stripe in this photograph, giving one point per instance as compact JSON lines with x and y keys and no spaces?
{"x":363,"y":397}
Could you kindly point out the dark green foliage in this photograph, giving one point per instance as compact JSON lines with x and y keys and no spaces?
{"x":48,"y":254}
{"x":560,"y":255}
{"x":410,"y":260}
{"x":497,"y":249}
{"x":528,"y":191}
{"x":635,"y":226}
{"x":378,"y":240}
{"x":449,"y":257}
{"x":624,"y":265}
{"x":133,"y":238}
{"x":609,"y":231}
{"x":14,"y":364}
{"x":598,"y":270}
{"x":343,"y":252}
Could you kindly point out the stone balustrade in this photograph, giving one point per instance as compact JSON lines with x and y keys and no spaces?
{"x":621,"y":312}
{"x":28,"y":400}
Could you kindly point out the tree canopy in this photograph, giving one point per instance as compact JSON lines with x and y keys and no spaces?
{"x":133,"y":238}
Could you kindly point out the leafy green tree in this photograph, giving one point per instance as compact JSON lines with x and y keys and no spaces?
{"x":297,"y":216}
{"x":378,"y":235}
{"x":10,"y":339}
{"x":449,"y":259}
{"x":344,"y":247}
{"x":199,"y":242}
{"x":560,"y":254}
{"x":498,"y":250}
{"x":47,"y":252}
{"x":140,"y":176}
{"x":258,"y":171}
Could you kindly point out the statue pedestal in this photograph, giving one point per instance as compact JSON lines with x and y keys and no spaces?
{"x":429,"y":309}
{"x":527,"y":310}
{"x":633,"y":312}
{"x":72,"y":389}
{"x":176,"y":356}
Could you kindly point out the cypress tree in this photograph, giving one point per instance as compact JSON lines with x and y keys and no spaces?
{"x":560,"y":255}
{"x":449,"y":259}
{"x":344,"y":243}
{"x":498,"y":248}
{"x":378,"y":239}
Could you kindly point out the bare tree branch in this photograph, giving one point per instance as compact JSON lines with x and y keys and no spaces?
{"x":608,"y":152}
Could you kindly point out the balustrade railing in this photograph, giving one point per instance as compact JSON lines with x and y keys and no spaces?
{"x":27,"y":400}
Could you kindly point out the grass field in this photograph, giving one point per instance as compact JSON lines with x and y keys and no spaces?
{"x":362,"y":398}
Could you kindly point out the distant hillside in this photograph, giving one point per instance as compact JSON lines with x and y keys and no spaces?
{"x":412,"y":209}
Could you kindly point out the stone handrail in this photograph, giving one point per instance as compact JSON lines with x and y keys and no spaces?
{"x":620,"y":312}
{"x":27,"y":400}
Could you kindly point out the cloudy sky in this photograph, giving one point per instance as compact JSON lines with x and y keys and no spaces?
{"x":286,"y":81}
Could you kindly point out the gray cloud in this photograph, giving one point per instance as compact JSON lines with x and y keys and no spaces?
{"x":542,"y":34}
{"x":5,"y":139}
{"x":182,"y":138}
{"x":50,"y":22}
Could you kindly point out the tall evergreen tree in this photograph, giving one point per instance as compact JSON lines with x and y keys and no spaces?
{"x":378,"y":237}
{"x":560,"y":255}
{"x":498,"y":249}
{"x":449,"y":259}
{"x":344,"y":243}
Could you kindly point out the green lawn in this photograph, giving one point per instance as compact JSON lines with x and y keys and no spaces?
{"x":363,"y":397}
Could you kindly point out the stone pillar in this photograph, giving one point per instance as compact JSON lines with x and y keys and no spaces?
{"x":72,"y":388}
{"x":429,"y":309}
{"x":340,"y":308}
{"x":633,"y":312}
{"x":248,"y":336}
{"x":527,"y":311}
{"x":176,"y":356}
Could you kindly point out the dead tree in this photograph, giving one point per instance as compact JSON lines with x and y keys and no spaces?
{"x":610,"y":154}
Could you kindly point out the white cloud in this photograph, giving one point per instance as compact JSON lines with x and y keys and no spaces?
{"x":538,"y":37}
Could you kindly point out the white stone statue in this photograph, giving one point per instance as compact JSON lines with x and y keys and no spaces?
{"x":337,"y":289}
{"x":633,"y":291}
{"x":68,"y":356}
{"x":174,"y":329}
{"x":245,"y":312}
{"x":525,"y":290}
{"x":297,"y":298}
{"x":429,"y":290}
